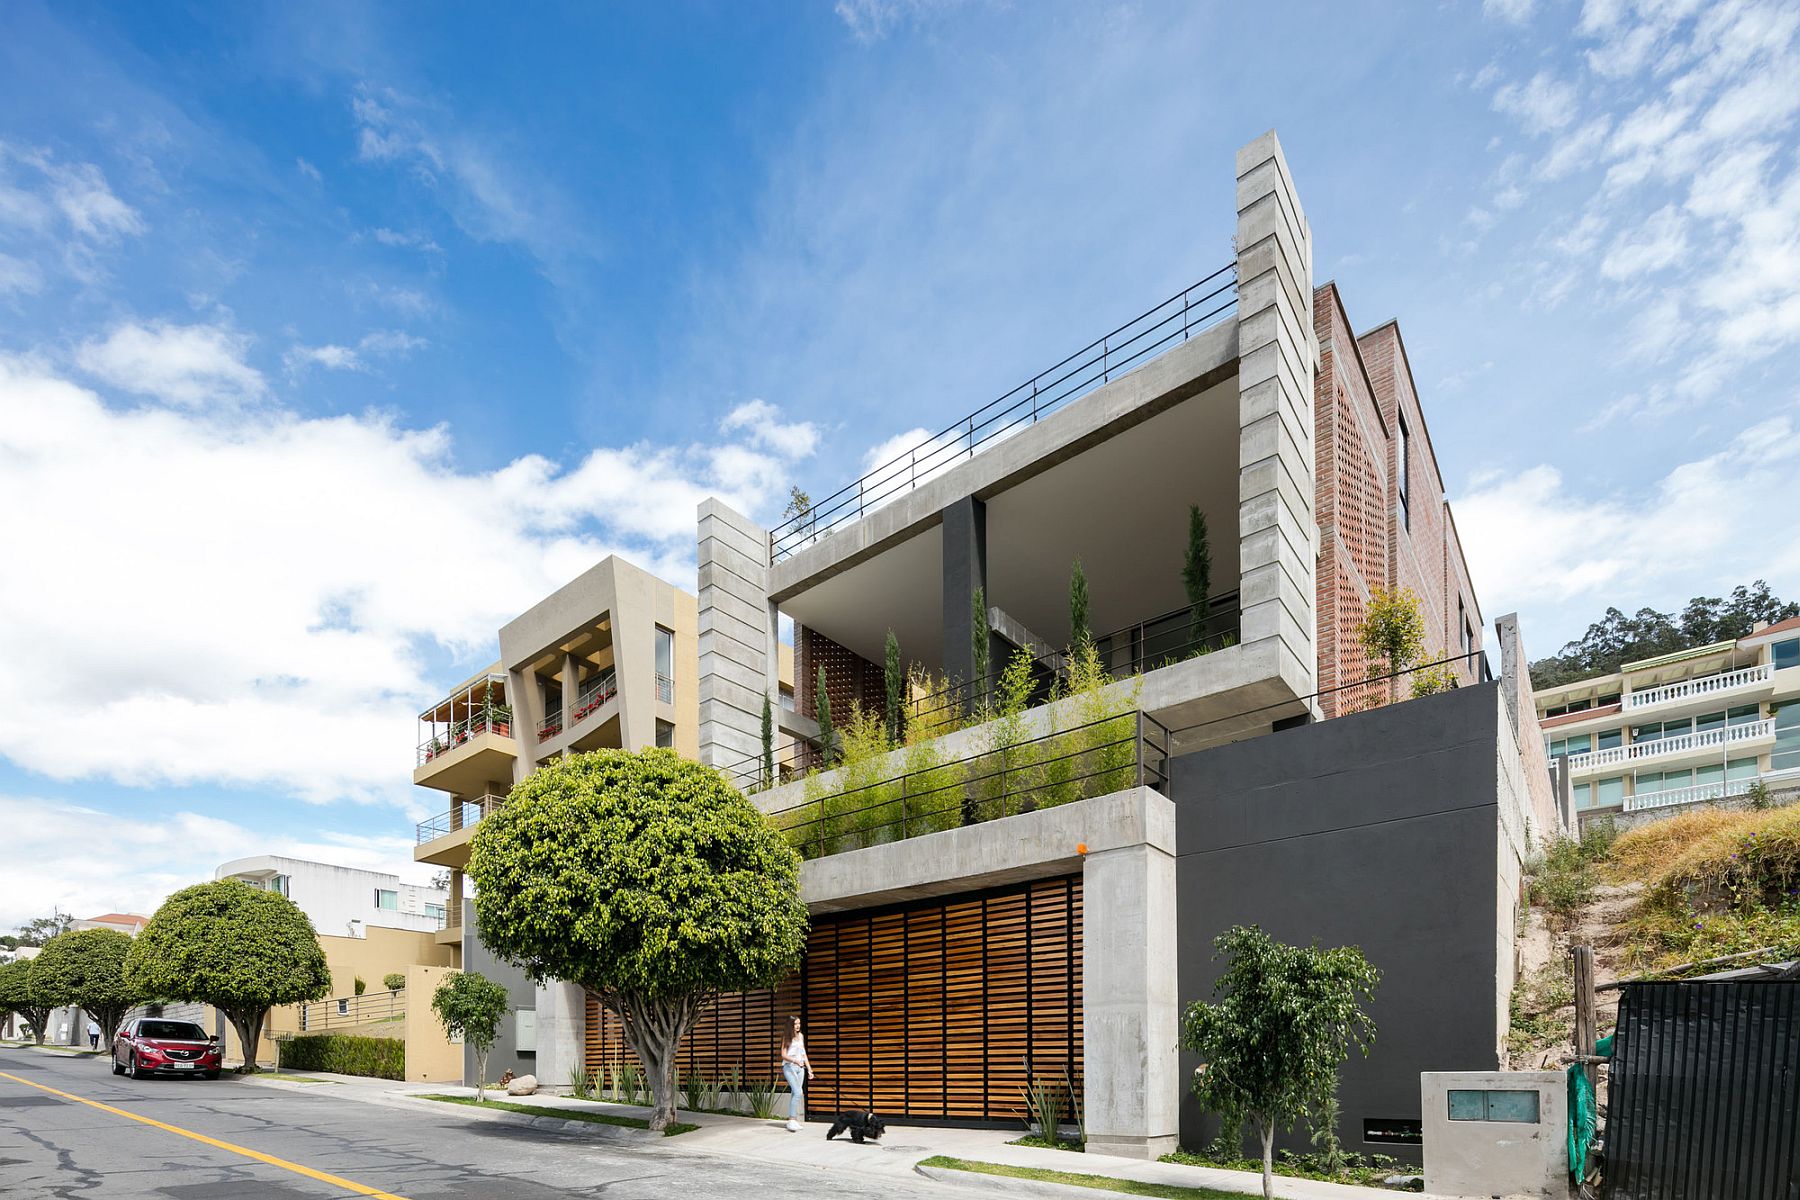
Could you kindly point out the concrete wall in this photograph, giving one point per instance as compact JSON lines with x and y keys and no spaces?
{"x":505,"y":1054}
{"x":1380,"y":830}
{"x":738,"y":654}
{"x":333,"y":896}
{"x":1481,"y":1159}
{"x":430,"y":1055}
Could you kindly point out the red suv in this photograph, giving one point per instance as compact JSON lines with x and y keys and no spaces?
{"x":154,"y":1046}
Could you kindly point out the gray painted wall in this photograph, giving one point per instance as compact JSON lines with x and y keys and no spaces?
{"x":1379,"y":830}
{"x":505,"y":1054}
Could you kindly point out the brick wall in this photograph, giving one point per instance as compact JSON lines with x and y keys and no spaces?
{"x":849,"y":677}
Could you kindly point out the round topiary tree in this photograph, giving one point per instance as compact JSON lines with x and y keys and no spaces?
{"x":646,"y":879}
{"x":16,"y":995}
{"x":86,"y":968}
{"x":235,"y":947}
{"x":394,"y":981}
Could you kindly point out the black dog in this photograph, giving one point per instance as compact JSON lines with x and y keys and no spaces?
{"x":863,"y":1126}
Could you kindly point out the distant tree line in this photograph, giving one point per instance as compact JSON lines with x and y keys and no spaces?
{"x":1617,"y":639}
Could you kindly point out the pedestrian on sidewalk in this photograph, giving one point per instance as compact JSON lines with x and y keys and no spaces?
{"x":796,"y":1067}
{"x":93,"y":1034}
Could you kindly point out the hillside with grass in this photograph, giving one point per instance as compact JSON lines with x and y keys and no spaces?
{"x":1690,"y":888}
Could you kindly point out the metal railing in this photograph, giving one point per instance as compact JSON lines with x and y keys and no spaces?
{"x":1095,"y":759}
{"x":551,"y":725}
{"x":1188,"y":312}
{"x":317,"y":1016}
{"x":461,"y":815}
{"x":498,"y":722}
{"x":1145,"y":645}
{"x":596,"y":693}
{"x":1684,"y":743}
{"x":1705,"y":685}
{"x":665,"y":689}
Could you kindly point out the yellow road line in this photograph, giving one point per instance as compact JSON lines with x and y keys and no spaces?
{"x":360,"y":1189}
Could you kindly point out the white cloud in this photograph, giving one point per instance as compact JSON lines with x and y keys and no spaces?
{"x":250,"y":598}
{"x":1574,"y":150}
{"x":760,"y":421}
{"x":35,"y":189}
{"x":1537,"y":539}
{"x":190,"y":365}
{"x":381,"y":343}
{"x":1542,"y":104}
{"x":88,"y":204}
{"x":872,"y":20}
{"x":308,"y":170}
{"x":1659,"y":243}
{"x":408,"y":240}
{"x":17,"y":275}
{"x":1514,"y":12}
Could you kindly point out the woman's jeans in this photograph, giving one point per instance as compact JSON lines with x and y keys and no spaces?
{"x":796,"y":1081}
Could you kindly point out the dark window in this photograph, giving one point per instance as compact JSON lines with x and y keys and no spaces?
{"x":173,"y":1031}
{"x":1400,"y":472}
{"x":1392,"y":1130}
{"x":1785,"y":654}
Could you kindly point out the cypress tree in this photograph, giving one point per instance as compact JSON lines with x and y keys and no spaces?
{"x":1079,"y":633}
{"x":896,"y":691}
{"x":978,"y":642}
{"x":827,"y":736}
{"x":768,"y":743}
{"x":1197,"y":576}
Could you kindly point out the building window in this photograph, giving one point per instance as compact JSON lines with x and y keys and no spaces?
{"x":387,"y":899}
{"x":1581,"y":743}
{"x":1787,"y":737}
{"x":1785,"y":654}
{"x":436,"y":911}
{"x":1609,"y":791}
{"x":1609,"y":739}
{"x":1400,"y":472}
{"x":1583,"y":795}
{"x":1392,"y":1131}
{"x":279,"y":885}
{"x":1510,"y":1104}
{"x":665,"y":665}
{"x":665,"y":734}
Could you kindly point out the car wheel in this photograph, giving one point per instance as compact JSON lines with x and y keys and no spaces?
{"x":211,"y":1074}
{"x":132,"y":1069}
{"x":117,"y":1069}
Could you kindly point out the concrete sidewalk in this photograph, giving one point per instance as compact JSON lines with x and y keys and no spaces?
{"x":898,"y":1154}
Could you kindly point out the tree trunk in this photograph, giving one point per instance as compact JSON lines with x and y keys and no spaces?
{"x":40,"y":1023}
{"x":1267,"y":1130}
{"x":249,"y":1025}
{"x":481,"y":1075}
{"x":653,"y":1029}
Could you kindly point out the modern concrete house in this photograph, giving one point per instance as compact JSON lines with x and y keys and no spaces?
{"x":342,"y":901}
{"x":1033,"y":897}
{"x":1698,"y":726}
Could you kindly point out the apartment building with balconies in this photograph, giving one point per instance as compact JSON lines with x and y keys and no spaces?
{"x":1692,"y":727}
{"x":1030,"y":894}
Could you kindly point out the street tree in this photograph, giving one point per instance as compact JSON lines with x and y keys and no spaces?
{"x":235,"y":947}
{"x":1285,"y":1020}
{"x":646,"y":879}
{"x":16,"y":995}
{"x":471,"y":1007}
{"x":86,"y":968}
{"x":40,"y":930}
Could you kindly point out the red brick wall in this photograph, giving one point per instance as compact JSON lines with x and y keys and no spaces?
{"x":849,"y":677}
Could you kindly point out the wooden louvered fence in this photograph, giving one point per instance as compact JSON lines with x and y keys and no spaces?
{"x":941,"y":1010}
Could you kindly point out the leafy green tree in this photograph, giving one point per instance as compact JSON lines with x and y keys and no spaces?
{"x":86,"y":968}
{"x":40,"y":930}
{"x":235,"y":947}
{"x":1286,"y":1019}
{"x":1617,"y":639}
{"x":768,"y":742}
{"x":471,"y":1007}
{"x":16,"y":995}
{"x":895,"y":678}
{"x":979,"y":642}
{"x":827,"y":735}
{"x":394,"y":981}
{"x":1080,"y":634}
{"x":647,"y":880}
{"x":1392,"y":633}
{"x":1196,"y":576}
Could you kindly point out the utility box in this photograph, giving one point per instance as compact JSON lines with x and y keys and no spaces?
{"x":1494,"y":1134}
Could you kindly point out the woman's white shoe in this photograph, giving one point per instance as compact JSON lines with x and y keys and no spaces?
{"x":793,"y":1126}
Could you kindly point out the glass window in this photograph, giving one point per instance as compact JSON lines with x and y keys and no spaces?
{"x":386,"y":899}
{"x":1582,"y":791}
{"x":1606,"y":700}
{"x":1400,"y":472}
{"x":1645,"y":782}
{"x":1785,"y":654}
{"x":665,"y":665}
{"x":435,"y":910}
{"x":1741,"y":768}
{"x":279,"y":885}
{"x":1609,"y":791}
{"x":1787,"y":737}
{"x":1746,"y":714}
{"x":1646,"y":733}
{"x":665,"y":734}
{"x":1709,"y":722}
{"x":1609,"y":739}
{"x":1501,"y":1105}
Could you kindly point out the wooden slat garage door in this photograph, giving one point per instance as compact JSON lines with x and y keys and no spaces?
{"x":940,"y":1010}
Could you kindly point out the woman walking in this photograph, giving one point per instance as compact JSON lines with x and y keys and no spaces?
{"x":796,"y":1067}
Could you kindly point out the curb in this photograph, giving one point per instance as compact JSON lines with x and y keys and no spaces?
{"x":468,"y":1112}
{"x":1007,"y":1185}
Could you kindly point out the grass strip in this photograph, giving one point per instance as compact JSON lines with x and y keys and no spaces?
{"x":292,"y":1078}
{"x":1100,"y":1183}
{"x":564,"y":1114}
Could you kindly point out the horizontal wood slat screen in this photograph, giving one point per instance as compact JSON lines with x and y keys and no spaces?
{"x":941,"y":1010}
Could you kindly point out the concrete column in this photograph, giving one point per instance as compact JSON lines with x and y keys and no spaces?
{"x":634,"y":619}
{"x":965,"y":569}
{"x":738,"y":663}
{"x":1278,"y":361}
{"x":1130,"y":1002}
{"x":528,"y":711}
{"x":569,"y":671}
{"x":561,"y":1033}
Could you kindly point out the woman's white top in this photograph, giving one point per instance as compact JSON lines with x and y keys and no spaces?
{"x":795,"y":1052}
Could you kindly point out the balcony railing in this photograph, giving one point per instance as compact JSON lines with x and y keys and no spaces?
{"x":665,"y":689}
{"x":461,"y":815}
{"x":498,"y":721}
{"x":1188,"y":312}
{"x":1078,"y":763}
{"x":551,"y":725}
{"x":594,"y":694}
{"x":1705,"y":685}
{"x":1688,"y":795}
{"x":1665,"y":747}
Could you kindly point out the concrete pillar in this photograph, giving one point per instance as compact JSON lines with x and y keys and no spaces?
{"x":965,"y":569}
{"x":1130,"y":1003}
{"x":569,"y":685}
{"x":738,"y":630}
{"x":528,"y":712}
{"x":633,"y":614}
{"x":561,"y":1033}
{"x":1278,"y":361}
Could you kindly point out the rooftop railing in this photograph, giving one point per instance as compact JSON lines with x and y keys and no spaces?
{"x":1705,"y":685}
{"x":1078,"y":763}
{"x":461,"y":815}
{"x":1138,"y":340}
{"x":498,"y":722}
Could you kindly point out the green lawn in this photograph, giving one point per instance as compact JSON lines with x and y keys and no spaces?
{"x":1102,"y":1183}
{"x":565,"y":1114}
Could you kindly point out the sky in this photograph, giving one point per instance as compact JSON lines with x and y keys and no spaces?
{"x":332,"y":336}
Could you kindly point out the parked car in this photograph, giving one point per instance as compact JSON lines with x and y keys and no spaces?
{"x":156,"y":1046}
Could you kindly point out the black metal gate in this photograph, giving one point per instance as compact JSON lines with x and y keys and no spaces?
{"x":1703,"y":1099}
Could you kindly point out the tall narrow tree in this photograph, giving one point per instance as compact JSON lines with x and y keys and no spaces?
{"x":827,"y":735}
{"x":1080,"y":636}
{"x":768,"y":743}
{"x":1196,"y":576}
{"x":978,"y":644}
{"x":896,"y":690}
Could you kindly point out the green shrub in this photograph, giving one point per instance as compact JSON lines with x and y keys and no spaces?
{"x":377,"y":1058}
{"x":394,"y":981}
{"x":361,"y":987}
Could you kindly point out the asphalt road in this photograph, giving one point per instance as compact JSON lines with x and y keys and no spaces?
{"x":53,"y":1146}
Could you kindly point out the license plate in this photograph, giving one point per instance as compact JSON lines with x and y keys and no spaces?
{"x":182,"y":1066}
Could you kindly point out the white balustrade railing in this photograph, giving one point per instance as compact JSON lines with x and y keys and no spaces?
{"x":1705,"y":685}
{"x":1664,"y":747}
{"x":1688,"y":795}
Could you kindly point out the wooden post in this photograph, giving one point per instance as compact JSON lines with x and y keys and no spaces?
{"x":1584,"y":1007}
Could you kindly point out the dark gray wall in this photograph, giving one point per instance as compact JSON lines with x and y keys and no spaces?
{"x":1378,"y":830}
{"x":505,"y":1054}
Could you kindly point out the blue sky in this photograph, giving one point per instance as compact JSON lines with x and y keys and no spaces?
{"x":332,"y":336}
